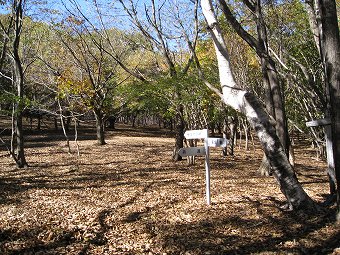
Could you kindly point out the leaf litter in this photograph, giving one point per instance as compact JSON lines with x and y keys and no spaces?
{"x":129,"y":197}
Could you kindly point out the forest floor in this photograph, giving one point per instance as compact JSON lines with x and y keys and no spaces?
{"x":129,"y":197}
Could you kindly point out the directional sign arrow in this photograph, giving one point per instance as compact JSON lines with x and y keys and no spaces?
{"x":319,"y":122}
{"x":217,"y":142}
{"x":196,"y":134}
{"x":191,"y":151}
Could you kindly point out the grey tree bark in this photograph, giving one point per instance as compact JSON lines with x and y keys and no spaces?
{"x":18,"y":82}
{"x":99,"y":126}
{"x":10,"y":47}
{"x":330,"y":53}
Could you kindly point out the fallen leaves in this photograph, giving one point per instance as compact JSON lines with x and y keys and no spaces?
{"x":128,"y":197}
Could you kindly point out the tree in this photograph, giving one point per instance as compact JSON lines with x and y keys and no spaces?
{"x":295,"y":45}
{"x":298,"y":62}
{"x":246,"y":70}
{"x":325,"y":27}
{"x":162,"y":31}
{"x":246,"y":103}
{"x":330,"y":53}
{"x":100,"y":55}
{"x":274,"y":94}
{"x":12,"y":34}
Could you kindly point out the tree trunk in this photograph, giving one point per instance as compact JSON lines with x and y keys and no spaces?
{"x":330,"y":48}
{"x":67,"y":119}
{"x":313,"y":23}
{"x":278,"y":160}
{"x":279,"y":108}
{"x":180,"y":126}
{"x":234,"y":122}
{"x":62,"y":123}
{"x":20,"y":148}
{"x":19,"y":84}
{"x":274,"y":98}
{"x":56,"y":123}
{"x":274,"y":95}
{"x":99,"y":127}
{"x":264,"y":168}
{"x":246,"y":103}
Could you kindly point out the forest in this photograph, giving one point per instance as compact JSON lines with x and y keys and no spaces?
{"x":96,"y":101}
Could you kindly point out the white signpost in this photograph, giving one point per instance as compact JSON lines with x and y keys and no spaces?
{"x":196,"y":134}
{"x":217,"y":142}
{"x":193,"y":151}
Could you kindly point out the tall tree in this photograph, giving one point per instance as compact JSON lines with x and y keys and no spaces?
{"x":246,"y":103}
{"x":160,"y":28}
{"x":13,"y":35}
{"x":91,"y":76}
{"x":330,"y":52}
{"x":274,"y":94}
{"x":99,"y":54}
{"x":325,"y":27}
{"x":18,"y":81}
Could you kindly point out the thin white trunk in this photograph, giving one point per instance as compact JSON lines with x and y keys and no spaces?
{"x":63,"y":127}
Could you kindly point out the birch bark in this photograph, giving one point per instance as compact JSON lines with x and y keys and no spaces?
{"x":246,"y":103}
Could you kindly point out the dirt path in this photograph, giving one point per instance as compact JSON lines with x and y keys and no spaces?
{"x":128,"y":197}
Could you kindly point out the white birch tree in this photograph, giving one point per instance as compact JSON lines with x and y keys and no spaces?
{"x":246,"y":103}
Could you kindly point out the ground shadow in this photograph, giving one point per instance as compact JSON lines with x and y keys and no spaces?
{"x":235,"y":235}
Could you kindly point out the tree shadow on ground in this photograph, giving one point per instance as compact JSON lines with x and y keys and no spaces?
{"x":51,"y":137}
{"x":216,"y":233}
{"x":21,"y":181}
{"x":212,"y":235}
{"x":50,"y":241}
{"x":11,"y":186}
{"x":26,"y":241}
{"x":237,"y":235}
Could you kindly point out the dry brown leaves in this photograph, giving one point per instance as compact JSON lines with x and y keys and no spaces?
{"x":128,"y":197}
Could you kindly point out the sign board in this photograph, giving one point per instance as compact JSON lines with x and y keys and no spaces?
{"x":319,"y":122}
{"x":196,"y":134}
{"x":191,"y":151}
{"x":217,"y":142}
{"x":194,"y":151}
